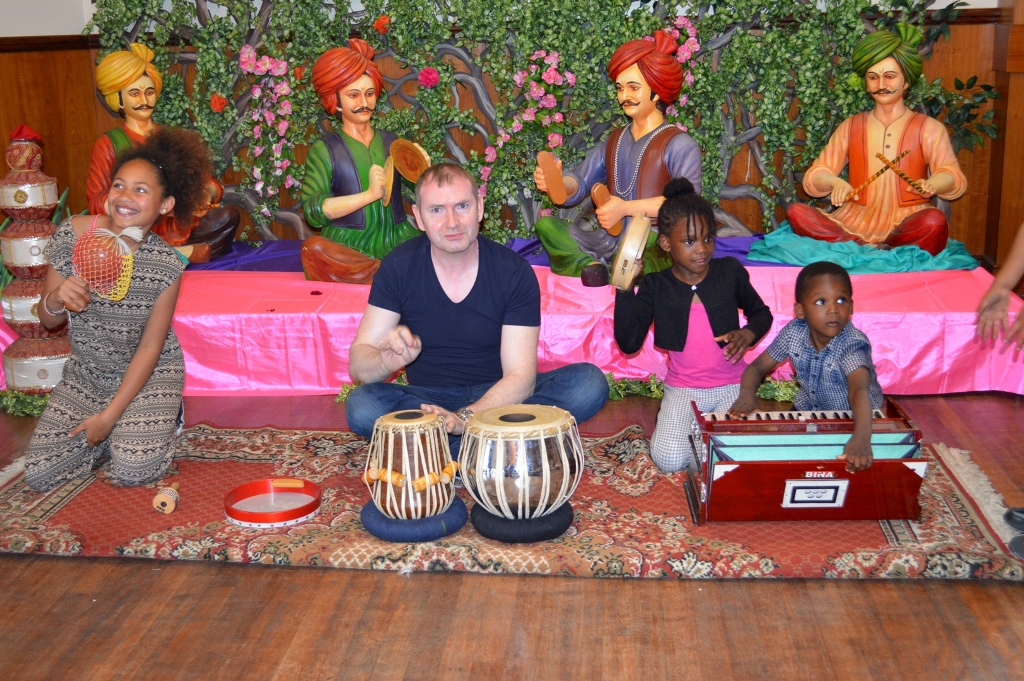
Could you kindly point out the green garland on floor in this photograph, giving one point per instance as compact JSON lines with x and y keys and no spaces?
{"x":347,"y":388}
{"x":19,"y":404}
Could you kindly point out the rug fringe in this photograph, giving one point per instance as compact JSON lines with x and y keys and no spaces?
{"x":12,"y":471}
{"x":978,"y":486}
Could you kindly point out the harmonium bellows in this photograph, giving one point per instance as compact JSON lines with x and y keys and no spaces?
{"x":783,"y":466}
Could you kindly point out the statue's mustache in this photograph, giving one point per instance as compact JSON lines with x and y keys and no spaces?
{"x":883,"y":91}
{"x":362,"y":109}
{"x":629,"y":102}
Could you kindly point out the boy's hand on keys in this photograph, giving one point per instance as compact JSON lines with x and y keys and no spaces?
{"x":857,"y":454}
{"x":743,"y":405}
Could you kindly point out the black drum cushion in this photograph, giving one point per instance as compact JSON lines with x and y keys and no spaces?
{"x":501,"y":529}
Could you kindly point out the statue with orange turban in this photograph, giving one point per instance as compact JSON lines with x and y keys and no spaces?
{"x":891,"y":208}
{"x":635,"y":162}
{"x":343,"y":190}
{"x":130,"y":83}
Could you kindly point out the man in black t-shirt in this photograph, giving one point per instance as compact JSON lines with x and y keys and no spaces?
{"x":461,"y":315}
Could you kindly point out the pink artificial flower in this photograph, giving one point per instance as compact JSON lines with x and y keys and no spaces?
{"x":256,"y":91}
{"x":491,"y":154}
{"x":548,"y":101}
{"x":481,"y":191}
{"x":289,"y":182}
{"x":546,"y":121}
{"x":257,"y":132}
{"x":682,"y":127}
{"x":528,"y":115}
{"x":570,"y":77}
{"x":688,"y":78}
{"x":649,"y":38}
{"x":552,"y":59}
{"x":545,"y":212}
{"x":269,"y":116}
{"x":285,"y":109}
{"x":262,"y":65}
{"x":257,"y":151}
{"x":691,"y":44}
{"x":539,"y":54}
{"x":683,"y":55}
{"x":265,"y":211}
{"x":674,"y":33}
{"x":285,"y":163}
{"x":485,"y":172}
{"x":670,"y":110}
{"x":533,"y":68}
{"x":503,"y":136}
{"x":278,"y":148}
{"x":552,"y":76}
{"x":247,"y":58}
{"x":516,"y":125}
{"x":282,"y":89}
{"x":519,"y":78}
{"x":257,"y":174}
{"x":554,"y":140}
{"x":282,"y":127}
{"x":558,"y":118}
{"x":278,"y":67}
{"x":683,"y":100}
{"x":258,"y":186}
{"x":536,"y":90}
{"x":428,"y":77}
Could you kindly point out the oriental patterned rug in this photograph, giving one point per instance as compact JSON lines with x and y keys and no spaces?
{"x":630,"y":521}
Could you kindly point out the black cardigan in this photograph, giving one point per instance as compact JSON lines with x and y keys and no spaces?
{"x":666,"y":301}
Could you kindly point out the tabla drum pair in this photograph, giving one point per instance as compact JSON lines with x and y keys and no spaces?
{"x":520,"y":463}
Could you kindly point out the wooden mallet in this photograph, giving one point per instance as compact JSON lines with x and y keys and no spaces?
{"x":552,"y":177}
{"x":600,"y":194}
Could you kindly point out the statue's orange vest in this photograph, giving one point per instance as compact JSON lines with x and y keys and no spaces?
{"x":913,"y":164}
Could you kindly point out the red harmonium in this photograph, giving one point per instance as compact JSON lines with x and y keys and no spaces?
{"x":783,"y":466}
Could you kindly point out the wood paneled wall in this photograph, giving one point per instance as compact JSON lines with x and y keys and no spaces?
{"x":47,"y":83}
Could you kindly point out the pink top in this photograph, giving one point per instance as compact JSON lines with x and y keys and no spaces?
{"x":701,"y":363}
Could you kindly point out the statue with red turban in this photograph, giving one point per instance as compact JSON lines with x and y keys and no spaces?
{"x":891,"y":209}
{"x":343,"y":188}
{"x":635,"y":162}
{"x":130,"y":84}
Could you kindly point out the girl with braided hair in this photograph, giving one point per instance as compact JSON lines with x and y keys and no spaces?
{"x":121,"y":390}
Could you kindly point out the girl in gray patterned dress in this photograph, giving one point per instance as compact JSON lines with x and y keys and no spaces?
{"x":120,"y":394}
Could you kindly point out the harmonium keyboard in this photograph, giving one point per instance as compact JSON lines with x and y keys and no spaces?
{"x":783,"y":466}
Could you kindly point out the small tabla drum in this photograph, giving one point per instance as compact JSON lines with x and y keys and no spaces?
{"x":389,"y":181}
{"x":409,"y":160}
{"x":35,"y":365}
{"x":522,"y":461}
{"x":630,"y":254}
{"x":409,"y":468}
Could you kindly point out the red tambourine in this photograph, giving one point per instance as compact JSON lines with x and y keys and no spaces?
{"x":273,"y":502}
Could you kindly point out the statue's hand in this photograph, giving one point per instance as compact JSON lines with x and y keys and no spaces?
{"x":376,"y":187}
{"x":927,"y":186}
{"x":842,"y":191}
{"x":613,"y":210}
{"x":538,"y":176}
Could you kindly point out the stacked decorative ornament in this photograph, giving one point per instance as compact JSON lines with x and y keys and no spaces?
{"x":32,"y":364}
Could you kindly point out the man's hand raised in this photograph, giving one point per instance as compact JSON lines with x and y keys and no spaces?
{"x":399,"y":348}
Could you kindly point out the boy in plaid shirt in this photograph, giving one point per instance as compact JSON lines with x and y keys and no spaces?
{"x":831,"y":358}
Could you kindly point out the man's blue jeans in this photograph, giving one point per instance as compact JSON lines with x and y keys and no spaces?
{"x":580,"y":389}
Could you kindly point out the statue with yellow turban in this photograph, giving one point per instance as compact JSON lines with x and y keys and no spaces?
{"x":635,"y":161}
{"x":892,"y":204}
{"x":343,"y":190}
{"x":131,"y":84}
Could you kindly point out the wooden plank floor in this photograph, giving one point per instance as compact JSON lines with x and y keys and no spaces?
{"x":125,"y":619}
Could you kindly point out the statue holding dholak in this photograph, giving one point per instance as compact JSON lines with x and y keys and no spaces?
{"x":130,"y":84}
{"x":626,"y":173}
{"x":898,"y":159}
{"x":350,"y":191}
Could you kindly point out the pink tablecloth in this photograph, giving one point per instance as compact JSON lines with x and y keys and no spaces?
{"x":277,"y":334}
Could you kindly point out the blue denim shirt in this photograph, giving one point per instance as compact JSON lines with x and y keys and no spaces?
{"x":822,"y":375}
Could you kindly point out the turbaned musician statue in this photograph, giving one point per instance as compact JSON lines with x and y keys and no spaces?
{"x":898,"y":159}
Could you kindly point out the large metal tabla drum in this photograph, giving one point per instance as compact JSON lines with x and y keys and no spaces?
{"x":631,"y":252}
{"x":409,"y":468}
{"x":521,"y":462}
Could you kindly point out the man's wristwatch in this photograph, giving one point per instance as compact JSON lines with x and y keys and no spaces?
{"x":464,"y":413}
